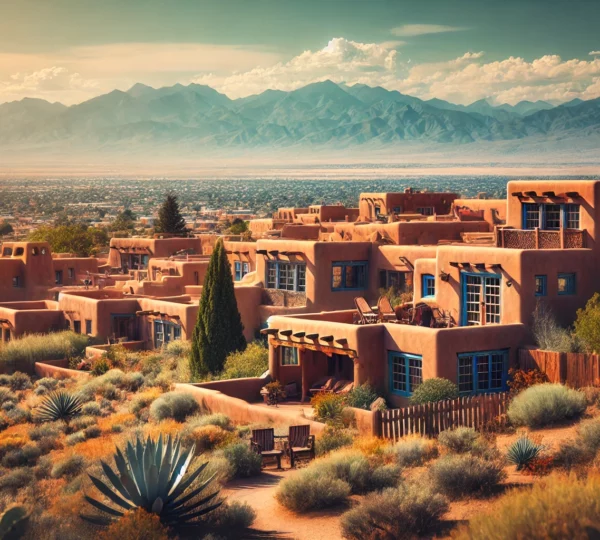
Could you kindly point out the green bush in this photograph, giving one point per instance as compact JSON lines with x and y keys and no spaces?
{"x":91,"y":432}
{"x":219,"y":419}
{"x":178,"y":348}
{"x":7,"y":396}
{"x":26,"y":351}
{"x":587,"y":324}
{"x":404,"y":512}
{"x":231,"y":518}
{"x":460,"y":440}
{"x":69,"y":466}
{"x":414,"y":452}
{"x":243,"y":461}
{"x":175,"y":405}
{"x":545,"y":404}
{"x":252,"y":362}
{"x":20,"y":381}
{"x":432,"y":390}
{"x":50,"y":429}
{"x":309,"y":490}
{"x":332,"y":439}
{"x":328,"y":408}
{"x":16,"y":479}
{"x":553,"y":508}
{"x":91,"y":408}
{"x":583,"y":449}
{"x":25,"y":456}
{"x":361,"y":397}
{"x":461,"y":475}
{"x":48,"y":382}
{"x":81,"y":422}
{"x":548,"y":334}
{"x":75,"y":438}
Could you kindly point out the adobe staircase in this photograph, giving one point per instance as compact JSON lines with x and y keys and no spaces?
{"x":478,"y":238}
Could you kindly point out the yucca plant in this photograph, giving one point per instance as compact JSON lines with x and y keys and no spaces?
{"x":59,"y":405}
{"x":522,"y":452}
{"x":150,"y":476}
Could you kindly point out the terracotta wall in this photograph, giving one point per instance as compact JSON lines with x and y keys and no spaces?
{"x":494,"y":210}
{"x":408,"y":202}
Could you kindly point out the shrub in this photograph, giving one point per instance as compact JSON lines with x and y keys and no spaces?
{"x":583,"y":449}
{"x":100,"y":365}
{"x":519,"y":379}
{"x":91,"y":432}
{"x":244,"y":462}
{"x":48,"y":382}
{"x":522,"y":452}
{"x":17,"y":415}
{"x":328,"y":408}
{"x":432,"y":390}
{"x":587,"y":324}
{"x":11,"y":441}
{"x":19,"y":381}
{"x":405,"y":512}
{"x":553,"y":508}
{"x":589,"y":433}
{"x":26,"y":455}
{"x":175,"y":405}
{"x":233,"y":517}
{"x":252,"y":362}
{"x":310,"y":490}
{"x":218,"y":419}
{"x":414,"y":452}
{"x":69,"y":466}
{"x":50,"y":430}
{"x":178,"y":348}
{"x":16,"y":479}
{"x":547,"y":333}
{"x":47,"y":444}
{"x":4,"y":379}
{"x":460,"y":475}
{"x":133,"y":380}
{"x":81,"y":422}
{"x":75,"y":438}
{"x":460,"y":439}
{"x":136,"y":524}
{"x":34,"y":348}
{"x":208,"y":437}
{"x":91,"y":408}
{"x":143,"y":401}
{"x":332,"y":439}
{"x":545,"y":404}
{"x":6,"y":396}
{"x":361,"y":397}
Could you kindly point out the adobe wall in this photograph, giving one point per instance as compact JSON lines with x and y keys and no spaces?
{"x":423,"y":266}
{"x":407,"y":202}
{"x":494,"y":210}
{"x":80,"y":267}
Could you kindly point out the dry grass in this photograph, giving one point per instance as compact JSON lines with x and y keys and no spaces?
{"x":107,"y":423}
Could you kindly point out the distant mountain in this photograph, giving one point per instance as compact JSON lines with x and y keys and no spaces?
{"x":324,"y":113}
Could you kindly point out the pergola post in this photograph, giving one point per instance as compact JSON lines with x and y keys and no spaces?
{"x":302,"y":361}
{"x":273,"y":363}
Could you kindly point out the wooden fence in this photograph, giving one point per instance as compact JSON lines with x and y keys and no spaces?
{"x":432,"y":418}
{"x":576,"y":370}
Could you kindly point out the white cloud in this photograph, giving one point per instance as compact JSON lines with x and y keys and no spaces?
{"x":410,"y":30}
{"x":594,"y":53}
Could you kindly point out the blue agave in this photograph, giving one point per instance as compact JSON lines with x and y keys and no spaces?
{"x":522,"y":452}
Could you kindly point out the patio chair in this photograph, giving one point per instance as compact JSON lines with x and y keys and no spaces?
{"x":323,"y":385}
{"x":263,"y":443}
{"x":422,"y":315}
{"x":367,"y":315}
{"x":301,"y":442}
{"x":441,"y":318}
{"x":385,"y":310}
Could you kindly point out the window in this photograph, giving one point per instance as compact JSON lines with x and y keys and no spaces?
{"x":349,"y":275}
{"x":551,"y":216}
{"x":531,"y":216}
{"x":406,"y":372}
{"x":7,"y":252}
{"x":165,"y":332}
{"x":566,"y":284}
{"x":541,"y":288}
{"x":428,"y":290}
{"x":77,"y":327}
{"x":241,"y":269}
{"x":426,"y":210}
{"x":286,"y":276}
{"x":482,"y":372}
{"x":392,"y":278}
{"x":88,"y":326}
{"x":34,"y":251}
{"x":377,"y":210}
{"x":397,"y":210}
{"x":71,"y":273}
{"x":19,"y":251}
{"x":481,"y":294}
{"x":572,"y":216}
{"x":16,"y":281}
{"x":58,"y":277}
{"x":289,"y":356}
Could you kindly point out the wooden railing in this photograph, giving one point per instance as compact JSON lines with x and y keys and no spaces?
{"x":507,"y":237}
{"x":432,"y":418}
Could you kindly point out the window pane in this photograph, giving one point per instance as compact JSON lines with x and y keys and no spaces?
{"x":289,"y":356}
{"x":483,"y":374}
{"x":532,"y":216}
{"x":337,"y":277}
{"x":398,"y":374}
{"x":572,"y":215}
{"x":465,"y":374}
{"x":566,"y":283}
{"x":301,"y":285}
{"x":271,"y":275}
{"x":473,"y":300}
{"x":496,"y":370}
{"x":415,"y":373}
{"x":492,"y":300}
{"x":540,"y":285}
{"x":552,"y":216}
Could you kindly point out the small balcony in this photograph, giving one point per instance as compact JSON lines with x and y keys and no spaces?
{"x":507,"y":237}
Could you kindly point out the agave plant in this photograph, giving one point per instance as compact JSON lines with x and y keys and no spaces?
{"x":523,"y":451}
{"x":150,"y":476}
{"x":59,"y":405}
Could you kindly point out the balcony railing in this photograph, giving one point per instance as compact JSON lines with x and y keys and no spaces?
{"x":507,"y":237}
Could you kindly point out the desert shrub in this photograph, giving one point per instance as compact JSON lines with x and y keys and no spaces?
{"x":11,"y":441}
{"x":143,"y":401}
{"x":218,"y":419}
{"x":583,"y":449}
{"x":33,"y":348}
{"x":243,"y":460}
{"x":432,"y":390}
{"x":49,"y":382}
{"x":328,"y":408}
{"x":27,"y":455}
{"x":6,"y":396}
{"x":523,"y":452}
{"x":587,"y":324}
{"x":178,"y":348}
{"x":81,"y":422}
{"x":75,"y":438}
{"x":404,"y":512}
{"x":91,"y":432}
{"x":164,"y":381}
{"x":175,"y":405}
{"x":4,"y":379}
{"x":16,"y":479}
{"x":47,"y":444}
{"x":460,"y":439}
{"x":592,"y":394}
{"x":109,"y":391}
{"x":545,"y":404}
{"x":589,"y":433}
{"x":91,"y":408}
{"x":113,"y":376}
{"x":136,"y":524}
{"x":132,"y":381}
{"x":519,"y":379}
{"x":69,"y":466}
{"x":232,"y":518}
{"x":17,"y":415}
{"x":20,"y":381}
{"x":332,"y":439}
{"x":49,"y":429}
{"x":151,"y":364}
{"x":100,"y":365}
{"x":310,"y":490}
{"x":361,"y":397}
{"x":460,"y":475}
{"x":208,"y":437}
{"x":414,"y":452}
{"x":556,"y":507}
{"x":252,"y":362}
{"x":548,"y":334}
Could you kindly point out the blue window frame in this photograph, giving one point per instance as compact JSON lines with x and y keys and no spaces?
{"x":349,"y":276}
{"x":480,"y":290}
{"x":286,"y":276}
{"x":405,"y":372}
{"x":289,"y":356}
{"x":240,"y":269}
{"x":541,"y":285}
{"x":482,"y":372}
{"x":567,"y":284}
{"x":426,"y":210}
{"x":165,"y":332}
{"x":428,"y":290}
{"x":550,"y":216}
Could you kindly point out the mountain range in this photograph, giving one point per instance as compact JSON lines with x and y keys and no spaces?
{"x":324,"y":113}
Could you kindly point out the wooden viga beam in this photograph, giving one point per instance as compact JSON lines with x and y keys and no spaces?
{"x":269,"y":331}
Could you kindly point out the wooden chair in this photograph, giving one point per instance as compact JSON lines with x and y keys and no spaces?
{"x":263,"y":443}
{"x":385,"y":310}
{"x":300,"y":442}
{"x":441,"y":318}
{"x":422,"y":315}
{"x":367,"y":315}
{"x":323,"y":385}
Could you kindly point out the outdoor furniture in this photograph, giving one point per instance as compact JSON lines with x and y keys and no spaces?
{"x":263,"y":443}
{"x":422,"y":315}
{"x":385,"y":309}
{"x":441,"y":318}
{"x":367,"y":315}
{"x":300,"y":443}
{"x":323,"y":385}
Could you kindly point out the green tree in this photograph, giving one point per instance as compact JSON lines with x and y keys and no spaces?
{"x":124,"y":221}
{"x":77,"y":239}
{"x":170,"y":219}
{"x":219,"y":330}
{"x":6,"y":228}
{"x":238,"y":226}
{"x":587,"y":324}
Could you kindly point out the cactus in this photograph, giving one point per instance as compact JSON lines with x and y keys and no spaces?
{"x":522,"y":452}
{"x":59,"y":406}
{"x":13,"y":523}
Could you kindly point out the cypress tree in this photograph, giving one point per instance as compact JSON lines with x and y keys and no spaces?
{"x":219,"y":330}
{"x":170,"y":219}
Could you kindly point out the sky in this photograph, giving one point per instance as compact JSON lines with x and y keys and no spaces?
{"x":457,"y":50}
